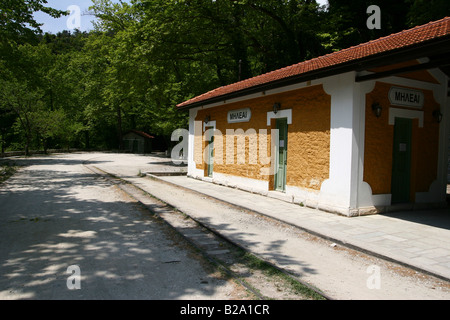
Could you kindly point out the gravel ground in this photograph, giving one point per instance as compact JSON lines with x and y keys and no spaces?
{"x":108,"y":244}
{"x":339,"y":272}
{"x":54,"y":213}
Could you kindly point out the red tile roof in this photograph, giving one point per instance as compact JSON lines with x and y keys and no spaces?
{"x":404,"y":39}
{"x":142,"y":134}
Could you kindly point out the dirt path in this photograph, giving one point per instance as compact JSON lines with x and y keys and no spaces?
{"x":66,"y":215}
{"x":54,"y":214}
{"x":338,"y":271}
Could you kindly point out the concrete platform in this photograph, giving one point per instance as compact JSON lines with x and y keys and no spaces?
{"x":418,"y":239}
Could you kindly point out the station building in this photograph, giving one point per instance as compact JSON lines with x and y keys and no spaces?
{"x":360,"y":131}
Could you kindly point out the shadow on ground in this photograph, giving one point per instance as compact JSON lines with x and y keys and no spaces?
{"x":439,"y":218}
{"x":52,"y":217}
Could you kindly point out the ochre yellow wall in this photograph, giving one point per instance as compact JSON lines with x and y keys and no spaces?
{"x":308,"y":136}
{"x":379,"y":137}
{"x":309,"y":139}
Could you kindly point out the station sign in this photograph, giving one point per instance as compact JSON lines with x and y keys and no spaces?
{"x":239,"y":115}
{"x":406,"y":97}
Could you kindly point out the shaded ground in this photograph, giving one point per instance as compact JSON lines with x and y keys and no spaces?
{"x":54,"y":214}
{"x":337,"y":270}
{"x":102,"y":229}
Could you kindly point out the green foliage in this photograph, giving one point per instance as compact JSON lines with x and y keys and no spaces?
{"x":16,"y":17}
{"x":6,"y":171}
{"x":423,"y":11}
{"x":84,"y":89}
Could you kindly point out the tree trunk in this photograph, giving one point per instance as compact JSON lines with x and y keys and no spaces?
{"x":86,"y":139}
{"x":119,"y":127}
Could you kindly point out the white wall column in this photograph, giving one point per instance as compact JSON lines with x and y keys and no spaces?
{"x":192,"y":168}
{"x":437,"y":191}
{"x":339,"y":192}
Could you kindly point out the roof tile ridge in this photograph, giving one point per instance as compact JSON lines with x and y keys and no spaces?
{"x":323,"y":57}
{"x":342,"y":51}
{"x":411,"y":30}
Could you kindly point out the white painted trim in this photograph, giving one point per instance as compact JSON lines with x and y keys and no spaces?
{"x":209,"y":124}
{"x":339,"y":192}
{"x":307,"y":197}
{"x":433,"y":195}
{"x":381,"y":200}
{"x":287,"y":113}
{"x":242,"y":183}
{"x":410,"y":83}
{"x":364,"y":196}
{"x":258,"y":95}
{"x":437,"y":189}
{"x":405,"y":113}
{"x":443,"y":99}
{"x":192,"y":170}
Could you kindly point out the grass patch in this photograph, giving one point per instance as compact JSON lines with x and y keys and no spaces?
{"x":271,"y":271}
{"x":6,"y":171}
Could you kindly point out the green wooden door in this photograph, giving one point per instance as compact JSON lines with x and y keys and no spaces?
{"x":401,"y":161}
{"x":210,"y":152}
{"x":280,"y":173}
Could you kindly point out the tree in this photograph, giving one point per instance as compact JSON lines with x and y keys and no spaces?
{"x":18,"y":26}
{"x":137,"y":85}
{"x":146,"y":56}
{"x":16,"y":97}
{"x":423,"y":11}
{"x":7,"y":119}
{"x":16,"y":17}
{"x":347,"y":21}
